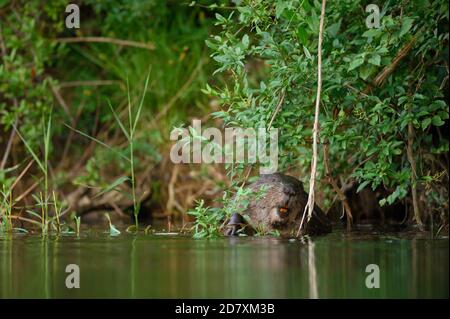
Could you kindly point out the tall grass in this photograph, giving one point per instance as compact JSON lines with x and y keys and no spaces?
{"x":129,"y":131}
{"x":5,"y":210}
{"x":43,"y":199}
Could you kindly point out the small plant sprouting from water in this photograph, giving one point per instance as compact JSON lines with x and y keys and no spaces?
{"x":210,"y":221}
{"x":77,"y":221}
{"x":113,"y":231}
{"x":130,"y":136}
{"x":207,"y":220}
{"x":57,"y":212}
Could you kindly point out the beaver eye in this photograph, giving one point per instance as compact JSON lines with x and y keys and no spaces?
{"x":282,"y":211}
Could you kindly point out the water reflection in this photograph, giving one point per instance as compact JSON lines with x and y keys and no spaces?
{"x":174,"y":267}
{"x":313,"y":294}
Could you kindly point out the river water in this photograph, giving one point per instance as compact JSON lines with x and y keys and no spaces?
{"x":165,"y":266}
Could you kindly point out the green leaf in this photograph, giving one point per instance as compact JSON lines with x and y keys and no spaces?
{"x":437,"y":121}
{"x":308,"y":55}
{"x":407,"y":24}
{"x":279,"y":8}
{"x":375,"y":60}
{"x":220,"y":18}
{"x":302,"y":35}
{"x":365,"y":72}
{"x":334,"y":29}
{"x":362,"y":186}
{"x":34,"y":214}
{"x":245,"y":40}
{"x":425,"y":123}
{"x":372,"y":33}
{"x":355,"y":63}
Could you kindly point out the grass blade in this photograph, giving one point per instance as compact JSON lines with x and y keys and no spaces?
{"x":47,"y":137}
{"x":138,"y":114}
{"x":98,"y":141}
{"x":118,"y":121}
{"x":34,"y":214}
{"x":33,"y":154}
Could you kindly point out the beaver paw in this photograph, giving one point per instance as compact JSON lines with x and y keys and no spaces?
{"x":237,"y":225}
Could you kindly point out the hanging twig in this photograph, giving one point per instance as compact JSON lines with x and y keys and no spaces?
{"x":310,"y":204}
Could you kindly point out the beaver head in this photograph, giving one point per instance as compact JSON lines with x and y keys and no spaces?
{"x":280,"y":205}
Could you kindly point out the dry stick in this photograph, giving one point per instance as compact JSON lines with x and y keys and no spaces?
{"x":378,"y":81}
{"x":148,"y":46}
{"x":246,"y":176}
{"x":21,"y":175}
{"x":171,"y":190}
{"x":71,"y":84}
{"x":336,"y":188}
{"x":24,"y":219}
{"x":388,"y":70}
{"x":62,"y":102}
{"x":15,"y":102}
{"x":277,"y":109}
{"x":410,"y":155}
{"x":310,"y":204}
{"x":2,"y":43}
{"x":28,"y":190}
{"x":8,"y":148}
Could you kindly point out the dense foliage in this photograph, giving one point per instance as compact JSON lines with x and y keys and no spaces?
{"x":382,"y":89}
{"x":383,"y":118}
{"x":42,"y":77}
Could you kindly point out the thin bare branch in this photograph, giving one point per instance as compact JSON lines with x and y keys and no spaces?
{"x":310,"y":204}
{"x":129,"y":43}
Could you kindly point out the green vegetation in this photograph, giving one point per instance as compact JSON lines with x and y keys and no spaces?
{"x":383,"y":107}
{"x":45,"y":80}
{"x":85,"y":127}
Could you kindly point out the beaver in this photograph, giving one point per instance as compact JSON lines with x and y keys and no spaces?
{"x":279,"y":209}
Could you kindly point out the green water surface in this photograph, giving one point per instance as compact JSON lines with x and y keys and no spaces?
{"x":152,"y":266}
